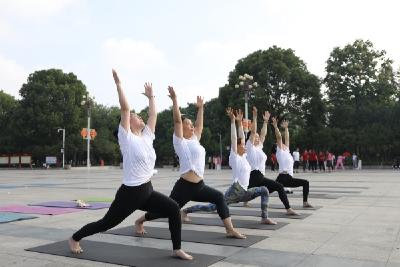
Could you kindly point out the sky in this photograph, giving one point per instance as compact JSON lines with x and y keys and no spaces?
{"x":191,"y":45}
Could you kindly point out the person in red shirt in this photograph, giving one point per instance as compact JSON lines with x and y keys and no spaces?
{"x":273,"y":162}
{"x":313,"y":159}
{"x":305,"y":160}
{"x":321,"y":161}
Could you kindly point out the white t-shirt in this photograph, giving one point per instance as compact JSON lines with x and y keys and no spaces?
{"x":192,"y":155}
{"x":296,"y":156}
{"x":285,"y":160}
{"x":240,"y":169}
{"x":138,"y":154}
{"x":256,"y":157}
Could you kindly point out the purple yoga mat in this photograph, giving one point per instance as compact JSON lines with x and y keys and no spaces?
{"x":37,"y":210}
{"x":72,"y":204}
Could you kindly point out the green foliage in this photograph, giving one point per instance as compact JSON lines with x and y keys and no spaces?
{"x":363,"y":89}
{"x":50,"y":100}
{"x":105,"y":146}
{"x":8,"y":105}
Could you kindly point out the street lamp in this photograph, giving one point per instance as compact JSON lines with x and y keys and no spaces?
{"x":246,"y":82}
{"x":63,"y":145}
{"x":87,"y":102}
{"x":220,"y":148}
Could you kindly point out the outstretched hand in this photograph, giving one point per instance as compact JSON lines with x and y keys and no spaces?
{"x":239,"y":115}
{"x":229,"y":112}
{"x":172,"y":93}
{"x":200,"y":102}
{"x":266,"y":116}
{"x":274,"y":122}
{"x":285,"y":124}
{"x":116,"y":78}
{"x":148,"y":90}
{"x":254,"y":111}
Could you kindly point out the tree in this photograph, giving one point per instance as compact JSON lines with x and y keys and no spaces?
{"x":51,"y":99}
{"x":8,"y":105}
{"x":286,"y":88}
{"x":362,"y":85}
{"x":105,"y":145}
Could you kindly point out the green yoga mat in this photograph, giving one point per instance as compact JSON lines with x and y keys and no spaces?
{"x":98,"y":199}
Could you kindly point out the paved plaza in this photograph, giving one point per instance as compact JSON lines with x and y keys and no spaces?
{"x":357,"y":224}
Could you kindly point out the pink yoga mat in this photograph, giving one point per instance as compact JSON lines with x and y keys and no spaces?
{"x":37,"y":210}
{"x":72,"y":204}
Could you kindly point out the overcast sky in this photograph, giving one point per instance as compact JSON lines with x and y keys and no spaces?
{"x":192,"y":45}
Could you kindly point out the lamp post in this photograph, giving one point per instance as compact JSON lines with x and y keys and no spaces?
{"x":63,"y":145}
{"x":246,"y":82}
{"x":220,"y":147}
{"x":87,"y":102}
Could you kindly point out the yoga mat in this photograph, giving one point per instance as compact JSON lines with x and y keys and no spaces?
{"x":37,"y":210}
{"x":190,"y":236}
{"x":275,"y":206}
{"x":331,"y":191}
{"x":8,"y":186}
{"x":257,"y":213}
{"x":11,"y":217}
{"x":72,"y":204}
{"x":125,"y":255}
{"x":216,"y":221}
{"x":300,"y":195}
{"x":98,"y":199}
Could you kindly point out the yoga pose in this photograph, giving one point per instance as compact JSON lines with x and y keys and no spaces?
{"x":285,"y":161}
{"x":192,"y":163}
{"x":238,"y":191}
{"x":136,"y":192}
{"x":257,"y":158}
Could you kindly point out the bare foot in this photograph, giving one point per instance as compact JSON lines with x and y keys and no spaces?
{"x":184,"y":217}
{"x":139,"y":227}
{"x":246,"y":204}
{"x":290,"y":211}
{"x":235,"y":234}
{"x":74,"y":246}
{"x":268,"y":221}
{"x":179,"y":253}
{"x":307,"y":205}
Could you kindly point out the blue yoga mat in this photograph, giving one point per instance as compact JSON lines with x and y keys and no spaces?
{"x":11,"y":217}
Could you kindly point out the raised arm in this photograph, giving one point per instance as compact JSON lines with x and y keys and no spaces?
{"x":198,"y":126}
{"x":239,"y":120}
{"x":285,"y":125}
{"x":176,"y":113}
{"x":123,"y":102}
{"x":148,"y":92}
{"x":230,"y":114}
{"x":277,"y":133}
{"x":253,"y":125}
{"x":264,"y":129}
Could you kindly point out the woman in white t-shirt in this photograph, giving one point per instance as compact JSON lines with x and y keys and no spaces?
{"x":136,"y":192}
{"x":191,"y":187}
{"x":285,"y":161}
{"x":257,"y":158}
{"x":238,"y":191}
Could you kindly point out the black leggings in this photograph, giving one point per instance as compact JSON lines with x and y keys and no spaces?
{"x":257,"y":179}
{"x":127,"y":200}
{"x":185,"y":191}
{"x":288,"y":181}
